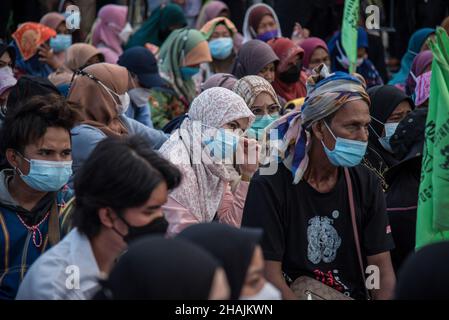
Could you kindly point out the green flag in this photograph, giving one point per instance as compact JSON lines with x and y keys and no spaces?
{"x":433,"y":203}
{"x":349,"y":31}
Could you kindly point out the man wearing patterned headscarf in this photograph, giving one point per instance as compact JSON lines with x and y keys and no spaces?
{"x":306,"y":207}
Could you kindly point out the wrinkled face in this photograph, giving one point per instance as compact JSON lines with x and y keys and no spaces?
{"x":220,"y":288}
{"x":268,"y":72}
{"x":351,"y":122}
{"x":264,"y":104}
{"x":254,"y":280}
{"x":54,"y":145}
{"x":319,"y":56}
{"x":220,"y":32}
{"x":400,"y":112}
{"x":266,"y":24}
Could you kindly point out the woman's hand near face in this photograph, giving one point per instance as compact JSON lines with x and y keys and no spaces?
{"x":248,"y":154}
{"x":47,"y":56}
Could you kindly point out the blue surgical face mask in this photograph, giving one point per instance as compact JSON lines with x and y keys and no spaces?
{"x":61,"y":42}
{"x":47,"y":176}
{"x":390,"y":129}
{"x":266,"y":36}
{"x":347,"y":153}
{"x":258,"y":127}
{"x":221,"y":48}
{"x":188,"y":72}
{"x":223,"y":145}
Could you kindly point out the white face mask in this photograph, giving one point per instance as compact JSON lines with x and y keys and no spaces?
{"x":268,"y":292}
{"x":140,"y":96}
{"x":125,"y":33}
{"x":124,"y":99}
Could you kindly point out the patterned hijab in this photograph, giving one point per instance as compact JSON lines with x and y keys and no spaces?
{"x":250,"y":87}
{"x":327,"y":93}
{"x":203,"y":184}
{"x":183,"y":47}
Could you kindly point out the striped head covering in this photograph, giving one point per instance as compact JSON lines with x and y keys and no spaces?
{"x":250,"y":87}
{"x":327,"y":93}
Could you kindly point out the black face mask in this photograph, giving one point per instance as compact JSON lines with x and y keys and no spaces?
{"x":156,"y":227}
{"x":292,"y":74}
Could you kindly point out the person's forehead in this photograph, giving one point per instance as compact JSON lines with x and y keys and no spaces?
{"x":5,"y":57}
{"x":353,"y":110}
{"x":52,"y":139}
{"x":221,"y":28}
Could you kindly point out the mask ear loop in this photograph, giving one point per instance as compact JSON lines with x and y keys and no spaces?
{"x":378,"y":121}
{"x":23,"y":157}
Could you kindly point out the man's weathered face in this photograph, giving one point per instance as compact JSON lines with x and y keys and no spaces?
{"x":351,"y":122}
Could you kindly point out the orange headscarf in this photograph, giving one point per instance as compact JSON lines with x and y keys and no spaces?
{"x":29,"y":36}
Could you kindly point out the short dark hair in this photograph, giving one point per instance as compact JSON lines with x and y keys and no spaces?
{"x":28,"y":123}
{"x":120,"y":173}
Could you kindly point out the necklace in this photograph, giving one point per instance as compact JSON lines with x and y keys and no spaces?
{"x":35,"y":229}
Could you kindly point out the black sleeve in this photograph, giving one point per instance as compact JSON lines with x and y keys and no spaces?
{"x":262,"y":210}
{"x":377,"y":237}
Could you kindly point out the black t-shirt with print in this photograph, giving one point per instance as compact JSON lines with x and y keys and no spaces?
{"x":311,"y":232}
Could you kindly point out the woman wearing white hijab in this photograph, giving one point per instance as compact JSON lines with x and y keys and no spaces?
{"x":204,"y":148}
{"x":262,"y":23}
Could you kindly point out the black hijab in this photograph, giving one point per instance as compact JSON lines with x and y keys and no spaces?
{"x":155,"y":268}
{"x":384,"y":100}
{"x":233,"y":247}
{"x":424,"y":274}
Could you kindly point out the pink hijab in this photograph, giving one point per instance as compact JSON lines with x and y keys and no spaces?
{"x":310,"y":45}
{"x":111,"y":20}
{"x":52,"y":20}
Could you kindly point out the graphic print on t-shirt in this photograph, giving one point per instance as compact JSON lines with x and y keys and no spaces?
{"x":323,"y":240}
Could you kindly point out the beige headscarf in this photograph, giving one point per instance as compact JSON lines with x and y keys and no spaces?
{"x":98,"y":106}
{"x":76,"y":57}
{"x":250,"y":87}
{"x":203,"y":184}
{"x":78,"y":54}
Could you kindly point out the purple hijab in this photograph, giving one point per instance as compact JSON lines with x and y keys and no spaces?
{"x":252,"y":58}
{"x":310,"y":45}
{"x":420,"y":64}
{"x":111,"y":20}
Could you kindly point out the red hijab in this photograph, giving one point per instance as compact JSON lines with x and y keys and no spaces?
{"x":287,"y":51}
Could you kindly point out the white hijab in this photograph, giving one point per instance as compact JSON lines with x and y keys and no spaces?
{"x":248,"y":33}
{"x":203,"y":184}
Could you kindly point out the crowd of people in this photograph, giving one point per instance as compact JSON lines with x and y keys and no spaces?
{"x":197,"y":156}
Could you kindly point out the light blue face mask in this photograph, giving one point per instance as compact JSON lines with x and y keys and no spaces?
{"x":390,"y":129}
{"x":188,"y":72}
{"x":221,"y":48}
{"x":47,"y":176}
{"x":347,"y":153}
{"x":61,"y":42}
{"x":258,"y":127}
{"x":223,"y":145}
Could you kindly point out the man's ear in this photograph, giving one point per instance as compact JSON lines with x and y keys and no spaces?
{"x":105,"y":217}
{"x":13,"y":158}
{"x":317,"y":129}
